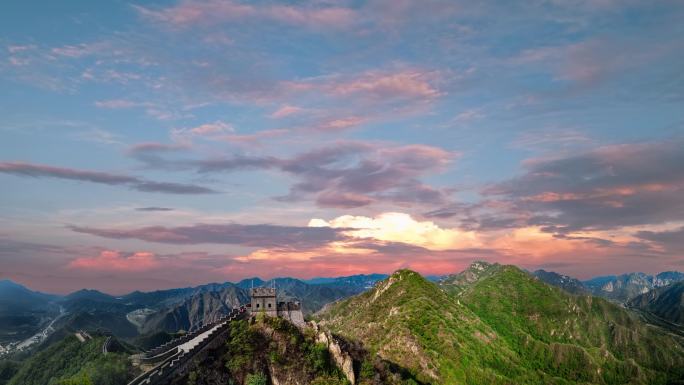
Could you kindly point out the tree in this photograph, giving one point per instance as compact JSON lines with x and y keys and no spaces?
{"x":257,"y":379}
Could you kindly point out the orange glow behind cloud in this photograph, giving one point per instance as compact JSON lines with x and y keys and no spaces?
{"x":430,"y":248}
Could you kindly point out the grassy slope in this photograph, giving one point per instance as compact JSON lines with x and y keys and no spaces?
{"x":581,"y":338}
{"x":411,"y":322}
{"x":505,"y":327}
{"x":72,"y":362}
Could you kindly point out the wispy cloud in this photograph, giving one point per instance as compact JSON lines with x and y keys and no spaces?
{"x":263,"y":235}
{"x":153,"y":208}
{"x":41,"y":171}
{"x":212,"y":130}
{"x":212,"y":12}
{"x":285,"y":111}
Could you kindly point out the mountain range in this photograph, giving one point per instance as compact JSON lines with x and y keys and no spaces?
{"x":626,"y":286}
{"x":28,"y":318}
{"x":24,"y":313}
{"x":489,"y":324}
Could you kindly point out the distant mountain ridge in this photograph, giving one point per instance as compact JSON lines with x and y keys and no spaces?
{"x":16,"y":297}
{"x":24,"y":312}
{"x":666,"y":302}
{"x":363,"y":280}
{"x":567,"y":283}
{"x":626,"y":286}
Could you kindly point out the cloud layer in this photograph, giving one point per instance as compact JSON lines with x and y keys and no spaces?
{"x":607,"y":188}
{"x":345,"y":174}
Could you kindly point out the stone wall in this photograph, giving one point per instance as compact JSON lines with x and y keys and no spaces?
{"x":178,"y":363}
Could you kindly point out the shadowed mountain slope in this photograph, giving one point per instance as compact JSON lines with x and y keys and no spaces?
{"x":666,"y":302}
{"x":569,"y":284}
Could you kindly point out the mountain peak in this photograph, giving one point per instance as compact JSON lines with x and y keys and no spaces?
{"x":481,"y":265}
{"x":476,"y":271}
{"x":249,"y":282}
{"x":402,"y":273}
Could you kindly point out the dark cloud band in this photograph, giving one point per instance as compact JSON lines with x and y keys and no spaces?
{"x":262,"y":235}
{"x":44,"y":171}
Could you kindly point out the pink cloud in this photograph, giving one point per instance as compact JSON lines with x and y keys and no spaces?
{"x":255,"y":138}
{"x":212,"y":12}
{"x":108,"y":260}
{"x":336,"y":17}
{"x":286,"y":111}
{"x":340,"y":124}
{"x":408,"y":83}
{"x":415,"y":85}
{"x":216,"y":127}
{"x":342,"y":199}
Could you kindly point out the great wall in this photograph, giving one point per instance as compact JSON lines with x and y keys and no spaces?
{"x":175,"y":357}
{"x":172,"y":359}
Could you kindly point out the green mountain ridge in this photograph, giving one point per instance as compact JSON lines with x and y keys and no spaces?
{"x":495,"y":324}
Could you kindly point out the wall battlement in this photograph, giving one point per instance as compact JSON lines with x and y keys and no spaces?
{"x":263,"y":292}
{"x":264,"y":300}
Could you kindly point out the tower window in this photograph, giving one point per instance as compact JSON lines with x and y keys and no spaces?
{"x":269,"y":305}
{"x":257,"y":306}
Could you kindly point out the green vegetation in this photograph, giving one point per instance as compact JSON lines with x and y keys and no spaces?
{"x":499,"y":325}
{"x":268,"y":347}
{"x":257,"y":379}
{"x":7,"y":370}
{"x":70,"y":362}
{"x":578,"y":338}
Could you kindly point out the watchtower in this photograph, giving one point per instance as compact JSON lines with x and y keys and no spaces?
{"x":264,"y":300}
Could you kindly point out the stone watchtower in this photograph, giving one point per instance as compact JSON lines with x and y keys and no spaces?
{"x":264,"y":300}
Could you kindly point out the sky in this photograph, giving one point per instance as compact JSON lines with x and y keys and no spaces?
{"x":158,"y":144}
